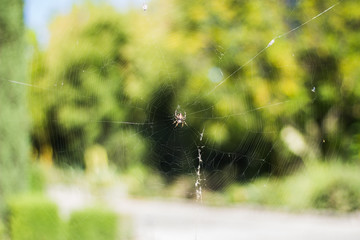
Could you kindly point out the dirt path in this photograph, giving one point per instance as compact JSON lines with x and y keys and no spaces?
{"x":160,"y":220}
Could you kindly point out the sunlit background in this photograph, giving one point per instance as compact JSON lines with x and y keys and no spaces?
{"x":172,"y":119}
{"x":38,"y":14}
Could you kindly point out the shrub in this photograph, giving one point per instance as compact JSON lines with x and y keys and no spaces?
{"x":143,"y":182}
{"x":92,"y":224}
{"x":338,"y":195}
{"x":37,"y":178}
{"x":340,"y":192}
{"x":331,"y":186}
{"x":33,"y":218}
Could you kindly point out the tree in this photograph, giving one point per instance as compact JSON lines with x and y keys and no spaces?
{"x":90,"y":81}
{"x":14,"y":123}
{"x":80,"y":99}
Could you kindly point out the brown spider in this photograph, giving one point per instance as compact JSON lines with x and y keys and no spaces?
{"x":180,"y":118}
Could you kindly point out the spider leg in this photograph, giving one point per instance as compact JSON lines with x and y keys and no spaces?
{"x":186,"y":123}
{"x":176,"y":124}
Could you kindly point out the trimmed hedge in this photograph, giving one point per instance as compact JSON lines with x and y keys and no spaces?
{"x":33,"y":218}
{"x":92,"y":224}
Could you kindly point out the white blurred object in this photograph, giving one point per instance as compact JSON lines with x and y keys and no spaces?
{"x":145,"y":7}
{"x":294,"y":140}
{"x":271,"y":43}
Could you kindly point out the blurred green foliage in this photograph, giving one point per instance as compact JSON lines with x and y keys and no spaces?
{"x":93,"y":224}
{"x":104,"y":71}
{"x":2,"y":230}
{"x":328,"y":186}
{"x":14,"y":122}
{"x":37,"y":181}
{"x":142,"y":182}
{"x":33,"y":217}
{"x":83,"y":84}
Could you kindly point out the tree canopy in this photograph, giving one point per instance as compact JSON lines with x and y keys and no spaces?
{"x":116,"y":79}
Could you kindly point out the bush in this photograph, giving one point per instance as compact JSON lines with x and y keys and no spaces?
{"x":331,"y":186}
{"x":143,"y":182}
{"x":37,"y":178}
{"x":341,"y":192}
{"x":92,"y":224}
{"x":33,"y":218}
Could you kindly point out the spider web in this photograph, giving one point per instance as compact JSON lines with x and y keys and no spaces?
{"x":176,"y":151}
{"x":219,"y":104}
{"x":214,"y":164}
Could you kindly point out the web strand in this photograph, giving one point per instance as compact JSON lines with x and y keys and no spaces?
{"x":270,"y":44}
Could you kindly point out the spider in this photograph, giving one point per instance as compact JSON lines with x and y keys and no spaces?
{"x":180,"y":118}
